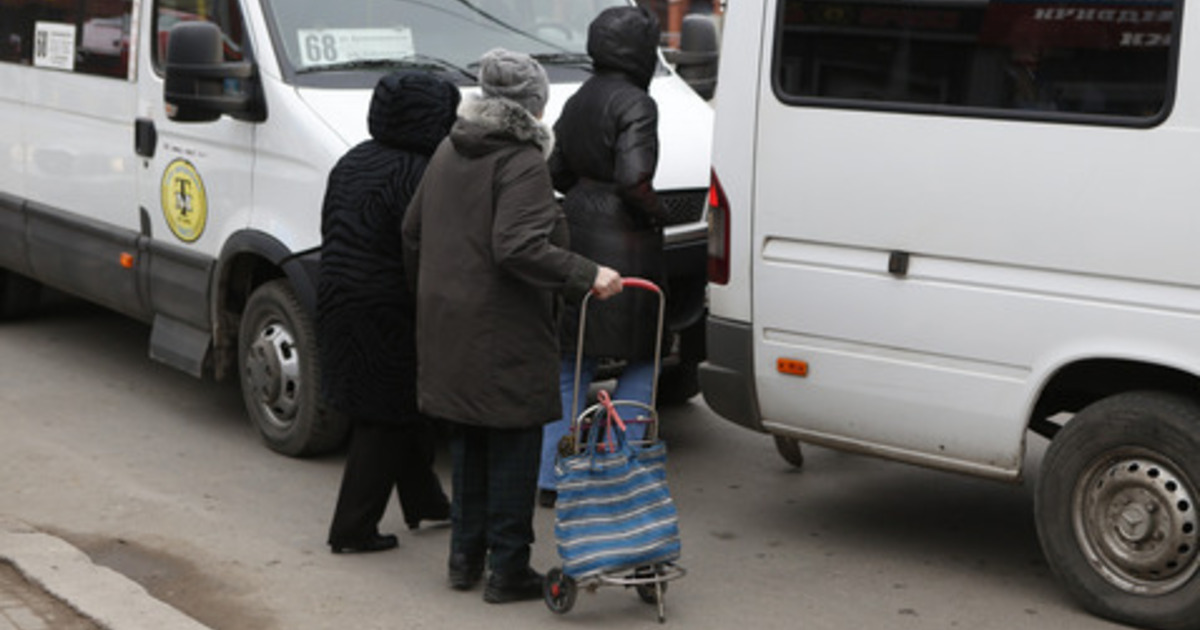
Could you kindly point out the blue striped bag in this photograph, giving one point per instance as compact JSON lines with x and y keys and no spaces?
{"x":614,"y":512}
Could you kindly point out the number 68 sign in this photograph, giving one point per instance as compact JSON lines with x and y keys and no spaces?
{"x":332,"y":46}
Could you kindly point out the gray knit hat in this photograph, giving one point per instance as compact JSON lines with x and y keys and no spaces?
{"x":514,"y":76}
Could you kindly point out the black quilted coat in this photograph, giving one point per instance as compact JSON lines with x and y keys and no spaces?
{"x":604,"y":160}
{"x":365,"y":313}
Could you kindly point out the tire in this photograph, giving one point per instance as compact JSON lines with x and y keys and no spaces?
{"x":277,"y":352}
{"x":1116,"y":509}
{"x":678,"y":383}
{"x":789,"y":450}
{"x":19,"y":295}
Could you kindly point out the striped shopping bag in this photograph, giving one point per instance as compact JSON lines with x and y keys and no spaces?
{"x":614,"y":511}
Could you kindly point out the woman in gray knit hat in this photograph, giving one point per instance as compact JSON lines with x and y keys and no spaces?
{"x":488,"y":242}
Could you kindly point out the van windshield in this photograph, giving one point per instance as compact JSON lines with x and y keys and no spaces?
{"x":316,"y":37}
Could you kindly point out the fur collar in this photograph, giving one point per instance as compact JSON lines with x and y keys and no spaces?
{"x":484,"y":123}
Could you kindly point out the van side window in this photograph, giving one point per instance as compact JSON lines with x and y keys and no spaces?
{"x":16,"y":31}
{"x":87,"y":37}
{"x":1093,"y":58}
{"x":224,"y":13}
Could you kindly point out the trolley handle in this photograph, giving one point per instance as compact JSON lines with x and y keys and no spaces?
{"x":626,"y":282}
{"x":640,"y":283}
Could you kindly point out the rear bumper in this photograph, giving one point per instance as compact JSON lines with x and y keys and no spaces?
{"x":727,"y":376}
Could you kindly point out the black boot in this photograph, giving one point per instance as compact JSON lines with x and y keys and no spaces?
{"x":465,"y":572}
{"x":514,"y":587}
{"x":438,"y":514}
{"x":377,"y":542}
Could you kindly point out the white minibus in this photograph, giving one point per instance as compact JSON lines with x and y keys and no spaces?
{"x":185,"y":189}
{"x":941,"y":227}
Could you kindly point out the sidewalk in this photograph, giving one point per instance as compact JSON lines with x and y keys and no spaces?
{"x":47,"y":584}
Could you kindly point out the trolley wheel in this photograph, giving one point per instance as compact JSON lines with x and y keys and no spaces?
{"x":559,"y":590}
{"x":650,"y":591}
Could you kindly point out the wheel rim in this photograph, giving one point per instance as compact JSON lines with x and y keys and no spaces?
{"x":1135,"y":518}
{"x":273,"y":374}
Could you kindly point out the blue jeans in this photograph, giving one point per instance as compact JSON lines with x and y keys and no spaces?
{"x":635,"y":383}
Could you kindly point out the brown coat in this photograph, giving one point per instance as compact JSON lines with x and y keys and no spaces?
{"x":488,"y":241}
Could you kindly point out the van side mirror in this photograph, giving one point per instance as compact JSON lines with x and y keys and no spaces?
{"x":200,"y":85}
{"x":699,"y":48}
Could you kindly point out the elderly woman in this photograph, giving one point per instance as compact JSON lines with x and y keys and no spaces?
{"x":486,"y":237}
{"x":365,"y":314}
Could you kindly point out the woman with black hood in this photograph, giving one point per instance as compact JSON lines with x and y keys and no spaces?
{"x":366,"y":314}
{"x":604,"y":160}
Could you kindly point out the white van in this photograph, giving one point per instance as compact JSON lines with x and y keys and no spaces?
{"x":179,"y":180}
{"x":940,"y":225}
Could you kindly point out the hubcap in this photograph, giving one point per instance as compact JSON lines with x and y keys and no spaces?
{"x":1135,"y":518}
{"x":273,"y":373}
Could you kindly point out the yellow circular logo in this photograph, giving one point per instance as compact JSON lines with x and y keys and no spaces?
{"x":184,"y":202}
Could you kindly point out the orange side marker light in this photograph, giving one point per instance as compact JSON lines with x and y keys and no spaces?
{"x":793,"y":367}
{"x":127,"y":260}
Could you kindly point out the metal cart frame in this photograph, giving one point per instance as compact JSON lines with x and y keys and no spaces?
{"x":560,"y":589}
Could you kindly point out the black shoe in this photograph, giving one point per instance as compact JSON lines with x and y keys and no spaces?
{"x":547,"y":498}
{"x":437,"y":515}
{"x":520,"y":586}
{"x":377,"y":542}
{"x":465,"y":573}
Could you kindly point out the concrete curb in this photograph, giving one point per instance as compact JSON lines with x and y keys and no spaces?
{"x":99,"y":593}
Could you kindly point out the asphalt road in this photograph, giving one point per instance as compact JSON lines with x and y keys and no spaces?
{"x":160,"y":477}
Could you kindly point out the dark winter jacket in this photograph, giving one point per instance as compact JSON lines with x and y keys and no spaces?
{"x":604,"y":161}
{"x":365,"y":312}
{"x":489,"y":240}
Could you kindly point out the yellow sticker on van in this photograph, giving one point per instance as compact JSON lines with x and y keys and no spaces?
{"x":184,"y":202}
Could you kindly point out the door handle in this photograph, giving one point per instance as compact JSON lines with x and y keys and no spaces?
{"x":898,"y":264}
{"x":145,"y":137}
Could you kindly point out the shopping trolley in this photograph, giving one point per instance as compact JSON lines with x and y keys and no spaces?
{"x":625,"y":534}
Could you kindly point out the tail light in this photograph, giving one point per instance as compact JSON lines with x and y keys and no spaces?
{"x":718,"y":233}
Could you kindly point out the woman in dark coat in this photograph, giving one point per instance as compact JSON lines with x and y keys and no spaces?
{"x":486,"y":238}
{"x":365,"y":313}
{"x":604,"y":162}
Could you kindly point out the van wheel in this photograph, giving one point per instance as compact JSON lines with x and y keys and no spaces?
{"x":18,"y":295}
{"x":789,"y":450}
{"x":1116,"y":509}
{"x":277,"y":353}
